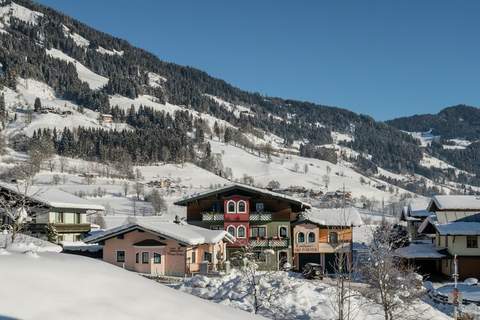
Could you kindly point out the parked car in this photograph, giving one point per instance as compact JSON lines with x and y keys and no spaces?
{"x":313,"y":271}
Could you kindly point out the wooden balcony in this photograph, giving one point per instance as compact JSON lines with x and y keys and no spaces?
{"x":72,"y":227}
{"x":270,"y":243}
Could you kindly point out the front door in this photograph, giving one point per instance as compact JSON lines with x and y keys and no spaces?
{"x":282,"y":259}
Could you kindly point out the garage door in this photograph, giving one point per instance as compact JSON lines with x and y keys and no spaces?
{"x":305,"y":258}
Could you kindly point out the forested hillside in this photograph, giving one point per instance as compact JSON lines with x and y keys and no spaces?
{"x":92,"y":69}
{"x":456,"y":122}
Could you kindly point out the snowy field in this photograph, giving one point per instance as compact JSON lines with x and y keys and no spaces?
{"x":62,"y":286}
{"x":293,"y":298}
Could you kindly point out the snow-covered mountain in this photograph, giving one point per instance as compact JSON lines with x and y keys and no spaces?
{"x":79,"y":75}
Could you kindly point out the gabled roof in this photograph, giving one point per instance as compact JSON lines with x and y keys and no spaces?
{"x":456,"y":228}
{"x":245,"y":188}
{"x":428,"y":225}
{"x":54,"y":197}
{"x":456,"y":202}
{"x":184,"y":233}
{"x":340,"y":217}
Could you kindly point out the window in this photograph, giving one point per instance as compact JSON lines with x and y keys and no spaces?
{"x":472,"y":242}
{"x":259,"y":207}
{"x":241,"y":232}
{"x":231,"y":206}
{"x":259,"y":256}
{"x":157,"y":258}
{"x":145,"y":257}
{"x":333,"y":237}
{"x":120,"y":256}
{"x":137,"y":257}
{"x":78,"y":237}
{"x":231,"y":230}
{"x":78,"y":218}
{"x":60,"y":238}
{"x":59,"y":217}
{"x":194,"y":257}
{"x":311,"y":237}
{"x":120,"y":236}
{"x":300,"y":237}
{"x":207,"y":256}
{"x":242,"y":206}
{"x":260,"y":232}
{"x":283,"y":232}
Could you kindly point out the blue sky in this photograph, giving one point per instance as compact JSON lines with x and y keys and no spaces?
{"x":382,"y":58}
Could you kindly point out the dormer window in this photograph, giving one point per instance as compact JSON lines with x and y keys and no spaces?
{"x":231,"y":206}
{"x":242,"y":206}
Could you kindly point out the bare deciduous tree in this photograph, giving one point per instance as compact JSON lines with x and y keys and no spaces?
{"x":158,"y":203}
{"x":393,"y":286}
{"x":262,"y":287}
{"x":326,"y":180}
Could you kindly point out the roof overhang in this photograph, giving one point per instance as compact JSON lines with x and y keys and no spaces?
{"x":245,"y":188}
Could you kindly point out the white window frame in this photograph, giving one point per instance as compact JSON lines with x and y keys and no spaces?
{"x":298,"y":234}
{"x":314,"y":237}
{"x":238,"y":206}
{"x":234,"y":206}
{"x":279,"y":227}
{"x":244,"y":231}
{"x":234,"y":230}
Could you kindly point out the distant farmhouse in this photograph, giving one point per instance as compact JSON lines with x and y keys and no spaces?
{"x":46,"y":205}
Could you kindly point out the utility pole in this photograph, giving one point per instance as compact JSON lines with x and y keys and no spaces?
{"x":455,"y":292}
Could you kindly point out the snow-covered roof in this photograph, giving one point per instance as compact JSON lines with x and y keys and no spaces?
{"x":419,"y":204}
{"x":182,"y":232}
{"x":458,"y":228}
{"x":113,"y":221}
{"x":54,"y":197}
{"x":243,"y":187}
{"x":457,"y":202}
{"x":419,"y":251}
{"x":332,"y":216}
{"x":416,"y":208}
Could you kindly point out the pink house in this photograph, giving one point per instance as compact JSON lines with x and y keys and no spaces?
{"x":163,"y":248}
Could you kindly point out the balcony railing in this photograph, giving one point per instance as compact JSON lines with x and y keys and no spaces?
{"x":270,"y":243}
{"x":212,"y":216}
{"x":260,"y":216}
{"x":72,"y":227}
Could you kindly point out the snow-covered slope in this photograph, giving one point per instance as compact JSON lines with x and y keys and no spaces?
{"x":283,"y":169}
{"x":18,"y":12}
{"x":95,"y":81}
{"x":63,"y":286}
{"x":64,"y":114}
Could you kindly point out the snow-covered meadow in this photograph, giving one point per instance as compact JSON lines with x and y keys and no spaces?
{"x":48,"y":285}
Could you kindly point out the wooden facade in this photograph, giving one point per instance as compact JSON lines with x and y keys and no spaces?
{"x":258,"y":219}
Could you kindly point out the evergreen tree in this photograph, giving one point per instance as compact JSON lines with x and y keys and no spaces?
{"x":37,"y":106}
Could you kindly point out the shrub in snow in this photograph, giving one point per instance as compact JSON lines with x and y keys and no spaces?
{"x":471,"y":281}
{"x":32,"y":254}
